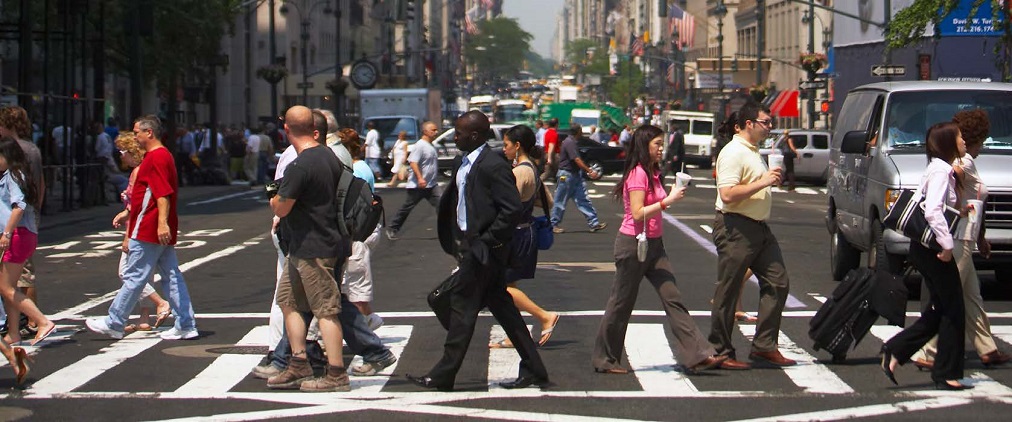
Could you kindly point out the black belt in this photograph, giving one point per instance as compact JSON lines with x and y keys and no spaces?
{"x":741,"y":216}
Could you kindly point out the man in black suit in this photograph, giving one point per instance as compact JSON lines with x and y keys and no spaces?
{"x":477,"y":215}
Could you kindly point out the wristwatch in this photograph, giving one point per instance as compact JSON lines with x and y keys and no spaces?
{"x":7,"y":234}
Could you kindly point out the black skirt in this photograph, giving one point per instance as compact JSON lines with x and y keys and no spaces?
{"x":525,"y":255}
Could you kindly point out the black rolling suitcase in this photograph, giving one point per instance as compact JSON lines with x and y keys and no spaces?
{"x":847,"y":316}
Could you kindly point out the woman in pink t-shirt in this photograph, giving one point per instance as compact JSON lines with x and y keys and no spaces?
{"x":645,"y":200}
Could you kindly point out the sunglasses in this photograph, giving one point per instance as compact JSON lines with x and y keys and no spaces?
{"x":766,"y":122}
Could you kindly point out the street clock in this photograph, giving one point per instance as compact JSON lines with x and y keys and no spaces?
{"x":364,"y":74}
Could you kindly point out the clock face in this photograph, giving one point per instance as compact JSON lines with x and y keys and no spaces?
{"x":363,"y":75}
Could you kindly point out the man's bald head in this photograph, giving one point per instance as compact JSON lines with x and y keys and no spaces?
{"x":476,"y":121}
{"x":299,"y":121}
{"x":471,"y":130}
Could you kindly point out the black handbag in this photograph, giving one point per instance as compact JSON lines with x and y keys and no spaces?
{"x":907,"y":216}
{"x":439,"y":299}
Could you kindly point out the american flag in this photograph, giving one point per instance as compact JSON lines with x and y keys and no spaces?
{"x":671,"y":74}
{"x":636,"y":47}
{"x":684,"y":24}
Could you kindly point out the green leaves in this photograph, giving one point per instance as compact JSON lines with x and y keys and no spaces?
{"x":498,"y":48}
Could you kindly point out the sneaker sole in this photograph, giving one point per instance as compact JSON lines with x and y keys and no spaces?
{"x":291,"y":385}
{"x":342,"y":389}
{"x":109,"y":333}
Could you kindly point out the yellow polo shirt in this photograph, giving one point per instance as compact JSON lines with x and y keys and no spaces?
{"x":739,"y":163}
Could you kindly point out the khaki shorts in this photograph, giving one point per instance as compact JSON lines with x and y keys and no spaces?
{"x":308,"y":285}
{"x":27,"y":278}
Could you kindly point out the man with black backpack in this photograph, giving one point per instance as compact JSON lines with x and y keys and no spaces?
{"x":424,"y":161}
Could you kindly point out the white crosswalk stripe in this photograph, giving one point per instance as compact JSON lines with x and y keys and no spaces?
{"x":647,"y":348}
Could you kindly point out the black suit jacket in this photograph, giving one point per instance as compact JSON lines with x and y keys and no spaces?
{"x":493,"y":209}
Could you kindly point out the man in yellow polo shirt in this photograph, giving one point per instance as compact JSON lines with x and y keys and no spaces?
{"x":744,"y":241}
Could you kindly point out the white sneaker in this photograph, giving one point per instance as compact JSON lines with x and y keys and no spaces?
{"x":375,"y":321}
{"x":99,"y":325}
{"x":175,"y":334}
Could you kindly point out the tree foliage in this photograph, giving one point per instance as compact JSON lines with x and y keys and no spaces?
{"x":497,"y":48}
{"x":909,"y":25}
{"x":624,"y":88}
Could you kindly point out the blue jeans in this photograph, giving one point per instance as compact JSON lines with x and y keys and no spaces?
{"x":570,"y":185}
{"x":262,"y":164}
{"x":374,"y":164}
{"x":141,"y":261}
{"x":361,"y":340}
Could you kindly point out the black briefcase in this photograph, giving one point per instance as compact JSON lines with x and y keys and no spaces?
{"x":439,"y":299}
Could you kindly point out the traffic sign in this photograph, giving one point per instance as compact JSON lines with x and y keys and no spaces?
{"x":306,"y":85}
{"x":888,"y":70}
{"x":812,"y":85}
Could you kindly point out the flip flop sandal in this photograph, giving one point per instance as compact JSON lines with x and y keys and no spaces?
{"x":162,"y":316}
{"x":501,"y":344}
{"x":42,"y":335}
{"x":546,"y":334}
{"x":745,"y":317}
{"x":144,"y":327}
{"x":129,"y":328}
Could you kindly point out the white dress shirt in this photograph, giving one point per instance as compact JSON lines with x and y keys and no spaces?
{"x":938,"y":188}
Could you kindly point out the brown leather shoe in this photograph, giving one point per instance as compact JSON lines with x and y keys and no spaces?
{"x":995,"y":358}
{"x":773,"y":357}
{"x":734,"y":365}
{"x":922,"y":364}
{"x":706,"y":364}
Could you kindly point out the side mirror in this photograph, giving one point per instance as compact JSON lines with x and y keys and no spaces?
{"x":855,"y":142}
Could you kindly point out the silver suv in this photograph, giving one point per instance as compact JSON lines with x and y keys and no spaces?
{"x":878,"y":149}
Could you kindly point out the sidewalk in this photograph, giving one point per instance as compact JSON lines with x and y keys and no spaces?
{"x":187,"y":194}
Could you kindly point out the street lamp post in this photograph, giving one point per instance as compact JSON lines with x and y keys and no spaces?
{"x":304,"y":35}
{"x":720,"y":12}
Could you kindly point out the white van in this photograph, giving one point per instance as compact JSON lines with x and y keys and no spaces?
{"x":698,"y":128}
{"x":586,"y":118}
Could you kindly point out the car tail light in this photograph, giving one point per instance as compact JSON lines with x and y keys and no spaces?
{"x":621,"y":155}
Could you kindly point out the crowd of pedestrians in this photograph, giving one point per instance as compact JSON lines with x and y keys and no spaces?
{"x":485,"y":222}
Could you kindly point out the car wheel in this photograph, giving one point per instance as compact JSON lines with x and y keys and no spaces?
{"x":710,"y":164}
{"x":597,"y":167}
{"x":842,"y":256}
{"x":878,"y":257}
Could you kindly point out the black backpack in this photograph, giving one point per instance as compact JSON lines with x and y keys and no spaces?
{"x":359,"y":210}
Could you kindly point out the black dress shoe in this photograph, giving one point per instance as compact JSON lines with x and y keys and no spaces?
{"x":942,"y":385}
{"x":887,"y":357}
{"x":427,"y":382}
{"x":525,"y":381}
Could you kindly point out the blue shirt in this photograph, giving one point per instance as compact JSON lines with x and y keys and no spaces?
{"x":465,"y":168}
{"x":362,"y":171}
{"x":11,"y":195}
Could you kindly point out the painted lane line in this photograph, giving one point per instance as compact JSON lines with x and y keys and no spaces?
{"x":788,"y":201}
{"x":1003,"y":332}
{"x":504,"y":363}
{"x":76,"y":312}
{"x":868,"y":411}
{"x":809,"y":374}
{"x":806,"y":191}
{"x":705,"y":186}
{"x":395,"y":338}
{"x":818,"y":297}
{"x":227,"y":370}
{"x":222,"y":198}
{"x":607,"y":184}
{"x":589,"y":313}
{"x":275,"y":414}
{"x":597,"y":195}
{"x":652,"y":361}
{"x":90,"y":367}
{"x":706,"y":228}
{"x":792,"y":302}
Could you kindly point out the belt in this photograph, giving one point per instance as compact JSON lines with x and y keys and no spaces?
{"x":734,"y":214}
{"x":523,"y":226}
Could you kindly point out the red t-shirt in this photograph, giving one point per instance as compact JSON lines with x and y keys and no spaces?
{"x":156,"y":178}
{"x":552,"y":138}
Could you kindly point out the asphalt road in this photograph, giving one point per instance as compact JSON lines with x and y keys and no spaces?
{"x":228,"y":261}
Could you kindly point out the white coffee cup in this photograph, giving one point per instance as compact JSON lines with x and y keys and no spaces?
{"x":682,"y":179}
{"x":974,"y":208}
{"x":776,"y":161}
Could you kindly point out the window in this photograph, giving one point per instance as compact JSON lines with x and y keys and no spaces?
{"x":800,"y":141}
{"x":701,"y":127}
{"x":820,"y":141}
{"x":910,"y":114}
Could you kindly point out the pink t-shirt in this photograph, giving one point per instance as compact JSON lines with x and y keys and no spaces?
{"x":637,"y":180}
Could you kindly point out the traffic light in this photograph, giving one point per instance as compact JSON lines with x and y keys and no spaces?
{"x":734,"y":65}
{"x":824,"y":107}
{"x":662,"y":8}
{"x":409,"y":10}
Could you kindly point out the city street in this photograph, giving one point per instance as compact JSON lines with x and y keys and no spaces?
{"x":229,"y":263}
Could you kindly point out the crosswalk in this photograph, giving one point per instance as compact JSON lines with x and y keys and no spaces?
{"x":656,"y":370}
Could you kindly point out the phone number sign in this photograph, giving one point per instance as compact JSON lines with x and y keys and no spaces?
{"x":959,"y":23}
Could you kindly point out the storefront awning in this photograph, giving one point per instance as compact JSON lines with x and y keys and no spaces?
{"x":786,"y":104}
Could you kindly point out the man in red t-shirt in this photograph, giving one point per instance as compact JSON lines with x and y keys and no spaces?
{"x":551,"y":150}
{"x":151,"y":239}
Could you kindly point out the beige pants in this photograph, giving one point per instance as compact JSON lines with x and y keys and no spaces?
{"x":978,"y":329}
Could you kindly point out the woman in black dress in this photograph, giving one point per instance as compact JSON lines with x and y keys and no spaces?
{"x":520,"y":148}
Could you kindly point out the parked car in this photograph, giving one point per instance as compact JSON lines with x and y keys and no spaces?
{"x":813,"y":151}
{"x":600,"y":157}
{"x":446,"y":146}
{"x":877,"y":150}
